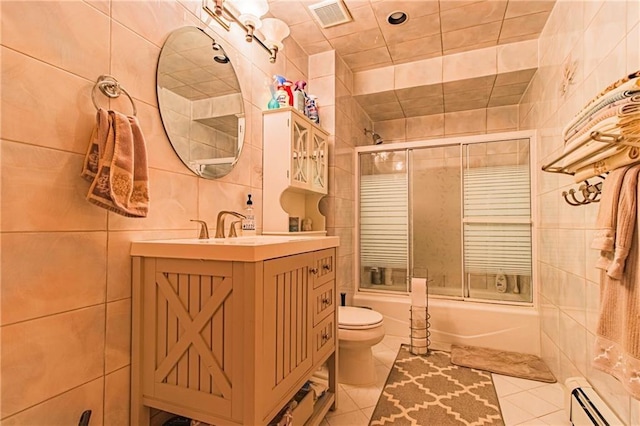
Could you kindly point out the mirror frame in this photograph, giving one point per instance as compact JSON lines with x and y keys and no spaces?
{"x":213,"y":164}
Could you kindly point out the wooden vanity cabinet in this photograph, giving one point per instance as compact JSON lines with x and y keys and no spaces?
{"x":229,"y":342}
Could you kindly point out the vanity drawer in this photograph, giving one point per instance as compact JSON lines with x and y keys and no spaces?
{"x":324,"y":267}
{"x":324,"y":338}
{"x":324,"y":302}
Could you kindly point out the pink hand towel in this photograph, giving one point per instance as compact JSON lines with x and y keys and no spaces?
{"x":121,"y":181}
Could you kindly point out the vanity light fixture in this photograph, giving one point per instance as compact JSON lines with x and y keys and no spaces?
{"x":247,"y":13}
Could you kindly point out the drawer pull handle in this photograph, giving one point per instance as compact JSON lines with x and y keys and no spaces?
{"x":313,"y":270}
{"x":326,"y":267}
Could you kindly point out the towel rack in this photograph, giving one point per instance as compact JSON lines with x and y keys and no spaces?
{"x":110,"y":87}
{"x":609,"y":139}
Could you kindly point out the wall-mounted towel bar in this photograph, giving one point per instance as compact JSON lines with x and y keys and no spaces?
{"x":610,"y":141}
{"x":110,"y":87}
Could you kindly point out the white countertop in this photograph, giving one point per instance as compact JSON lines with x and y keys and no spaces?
{"x":243,"y":249}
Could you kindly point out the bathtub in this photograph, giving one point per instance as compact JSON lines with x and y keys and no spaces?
{"x":504,"y":327}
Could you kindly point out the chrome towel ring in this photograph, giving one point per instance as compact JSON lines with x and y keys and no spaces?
{"x":110,"y":87}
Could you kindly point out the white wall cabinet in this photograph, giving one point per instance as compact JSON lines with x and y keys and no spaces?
{"x":295,"y":170}
{"x":231,"y":342}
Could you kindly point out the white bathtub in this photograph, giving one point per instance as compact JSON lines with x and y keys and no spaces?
{"x":505,"y":327}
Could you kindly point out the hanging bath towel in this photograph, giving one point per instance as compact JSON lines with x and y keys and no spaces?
{"x":617,"y":346}
{"x":119,"y":177}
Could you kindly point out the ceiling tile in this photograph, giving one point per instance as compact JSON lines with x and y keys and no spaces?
{"x":514,"y":77}
{"x":479,"y":83}
{"x":504,"y":100}
{"x":413,"y":9}
{"x":318,"y":47}
{"x":465,"y":105}
{"x":414,"y":28}
{"x":411,"y":49}
{"x":510,"y":90}
{"x":368,"y":59}
{"x":417,"y":92}
{"x":377,"y":98}
{"x":384,"y":108}
{"x":291,"y":12}
{"x":528,"y":7}
{"x":353,"y":43}
{"x":376,"y":116}
{"x":472,"y":36}
{"x":473,"y":14}
{"x":422,"y":102}
{"x":453,"y":4}
{"x":523,"y":25}
{"x":306,"y":33}
{"x":427,"y":110}
{"x":470,"y":96}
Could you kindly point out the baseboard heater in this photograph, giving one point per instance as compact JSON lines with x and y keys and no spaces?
{"x":585,"y":407}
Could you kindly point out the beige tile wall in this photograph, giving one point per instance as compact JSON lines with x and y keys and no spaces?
{"x":602,"y":38}
{"x":66,"y":281}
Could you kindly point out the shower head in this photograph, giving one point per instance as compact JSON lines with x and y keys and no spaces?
{"x":376,"y":138}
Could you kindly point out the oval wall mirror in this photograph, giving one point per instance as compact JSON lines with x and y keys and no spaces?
{"x":200,"y":102}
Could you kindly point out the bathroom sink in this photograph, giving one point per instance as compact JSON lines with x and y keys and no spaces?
{"x":253,"y":248}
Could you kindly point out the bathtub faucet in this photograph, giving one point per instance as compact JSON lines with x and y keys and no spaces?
{"x":220,"y":223}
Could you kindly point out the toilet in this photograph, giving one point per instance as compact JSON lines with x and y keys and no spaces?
{"x":358,"y":330}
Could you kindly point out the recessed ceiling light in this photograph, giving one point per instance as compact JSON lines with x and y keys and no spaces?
{"x":397,"y":18}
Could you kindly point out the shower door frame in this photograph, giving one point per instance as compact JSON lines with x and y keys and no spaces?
{"x":444,"y":142}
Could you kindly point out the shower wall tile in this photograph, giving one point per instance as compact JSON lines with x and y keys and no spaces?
{"x":391,"y":130}
{"x":502,"y":119}
{"x":571,"y":256}
{"x":418,"y":73}
{"x":592,"y":306}
{"x":550,"y":320}
{"x":117,"y":396}
{"x":550,"y":354}
{"x":425,"y":127}
{"x":322,"y":64}
{"x":52,"y":40}
{"x":65,"y":409}
{"x":603,"y":33}
{"x":517,"y":56}
{"x":50,"y":273}
{"x":63,"y":111}
{"x":465,"y":122}
{"x":69,"y":347}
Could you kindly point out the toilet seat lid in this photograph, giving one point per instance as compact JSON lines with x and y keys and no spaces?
{"x":350,"y":317}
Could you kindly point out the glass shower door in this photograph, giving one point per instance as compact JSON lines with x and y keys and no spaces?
{"x":435,"y":216}
{"x":384,"y":230}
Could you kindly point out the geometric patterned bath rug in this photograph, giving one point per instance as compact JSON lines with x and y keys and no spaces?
{"x":430,"y":390}
{"x":524,"y":366}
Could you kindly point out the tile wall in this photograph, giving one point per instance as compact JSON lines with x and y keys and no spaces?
{"x":602,"y":40}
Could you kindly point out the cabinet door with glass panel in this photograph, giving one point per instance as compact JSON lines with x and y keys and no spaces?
{"x":308,"y":155}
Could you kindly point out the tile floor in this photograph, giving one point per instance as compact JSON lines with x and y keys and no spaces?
{"x":523,"y":402}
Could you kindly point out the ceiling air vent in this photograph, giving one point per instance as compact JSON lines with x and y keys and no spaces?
{"x":331,"y":12}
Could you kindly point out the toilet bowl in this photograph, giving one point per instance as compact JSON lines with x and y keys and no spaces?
{"x":358,"y":330}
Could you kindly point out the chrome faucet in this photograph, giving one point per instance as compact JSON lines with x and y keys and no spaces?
{"x":204,"y":230}
{"x":220,"y":223}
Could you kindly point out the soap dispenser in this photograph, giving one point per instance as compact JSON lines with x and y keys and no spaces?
{"x":249,"y":222}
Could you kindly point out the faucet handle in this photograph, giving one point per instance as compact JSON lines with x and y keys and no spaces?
{"x":232,"y":229}
{"x":204,"y":229}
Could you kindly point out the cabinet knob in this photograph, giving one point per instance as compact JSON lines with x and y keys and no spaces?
{"x":325,"y":337}
{"x":313,"y":270}
{"x":326,"y":267}
{"x":326,"y":301}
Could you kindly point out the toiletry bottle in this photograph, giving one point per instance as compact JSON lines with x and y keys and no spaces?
{"x":299,"y":96}
{"x":249,"y":222}
{"x":312,"y":109}
{"x":282,"y":96}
